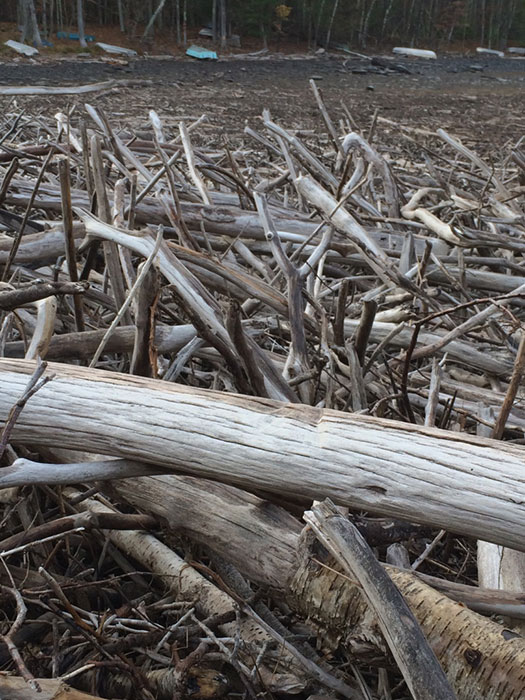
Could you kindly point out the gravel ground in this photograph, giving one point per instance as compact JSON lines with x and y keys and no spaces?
{"x":479,"y":98}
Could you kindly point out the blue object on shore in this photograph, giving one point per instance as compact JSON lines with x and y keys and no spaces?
{"x":74,"y":37}
{"x":199,"y":52}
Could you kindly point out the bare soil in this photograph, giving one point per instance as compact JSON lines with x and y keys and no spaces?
{"x":479,"y":98}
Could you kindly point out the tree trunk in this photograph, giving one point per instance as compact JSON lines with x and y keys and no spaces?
{"x":467,"y":485}
{"x":121,"y":20}
{"x":34,"y":24}
{"x":151,"y":23}
{"x":367,"y":23}
{"x":185,"y":22}
{"x":318,"y":23}
{"x":45,"y":29}
{"x":30,"y":31}
{"x":331,"y":24}
{"x":214,"y":21}
{"x":223,"y":22}
{"x":177,"y":22}
{"x":23,"y":20}
{"x":81,"y":27}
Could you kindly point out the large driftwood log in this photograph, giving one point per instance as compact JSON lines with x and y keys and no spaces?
{"x":464,"y":484}
{"x":17,"y":688}
{"x":263,"y":540}
{"x":279,"y":672}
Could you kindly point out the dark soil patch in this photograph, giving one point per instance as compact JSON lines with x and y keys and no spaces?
{"x":480,"y":99}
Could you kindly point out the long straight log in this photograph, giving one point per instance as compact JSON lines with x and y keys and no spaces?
{"x":465,"y":484}
{"x":67,"y":89}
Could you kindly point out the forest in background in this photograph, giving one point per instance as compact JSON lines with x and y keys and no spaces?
{"x":357,"y":23}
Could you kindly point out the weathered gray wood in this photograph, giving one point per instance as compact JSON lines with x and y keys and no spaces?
{"x":415,"y":658}
{"x":258,"y":537}
{"x":495,"y":362}
{"x":6,"y":90}
{"x":464,"y":484}
{"x":24,"y":472}
{"x":264,"y":542}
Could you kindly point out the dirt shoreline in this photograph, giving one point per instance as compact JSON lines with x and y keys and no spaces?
{"x":474,"y":70}
{"x":479,"y":98}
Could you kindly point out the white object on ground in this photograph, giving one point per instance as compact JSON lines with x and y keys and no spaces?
{"x":491,"y":52}
{"x":420,"y":53}
{"x":21,"y":48}
{"x":109,"y":48}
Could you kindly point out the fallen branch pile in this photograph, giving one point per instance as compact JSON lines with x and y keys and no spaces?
{"x":235,"y":331}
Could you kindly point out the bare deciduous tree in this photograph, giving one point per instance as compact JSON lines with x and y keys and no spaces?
{"x":30,"y":30}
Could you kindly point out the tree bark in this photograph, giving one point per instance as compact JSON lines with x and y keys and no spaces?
{"x":414,"y":657}
{"x":265,"y":543}
{"x":223,"y":23}
{"x":453,"y":481}
{"x":331,"y":24}
{"x":81,"y":26}
{"x":149,"y":26}
{"x":34,"y":24}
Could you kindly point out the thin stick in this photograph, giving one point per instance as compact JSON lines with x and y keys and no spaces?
{"x":35,"y":383}
{"x":132,"y":292}
{"x":326,"y":117}
{"x":7,"y":639}
{"x":67,"y":216}
{"x":190,"y":158}
{"x":515,"y":380}
{"x":18,"y":236}
{"x":433,"y":394}
{"x":362,"y":335}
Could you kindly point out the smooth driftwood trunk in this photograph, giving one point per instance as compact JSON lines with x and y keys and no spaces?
{"x":464,"y":484}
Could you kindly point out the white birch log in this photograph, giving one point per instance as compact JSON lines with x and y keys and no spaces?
{"x":465,"y":484}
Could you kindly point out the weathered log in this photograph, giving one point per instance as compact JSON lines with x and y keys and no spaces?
{"x":17,"y":688}
{"x":495,"y":362}
{"x":454,"y":481}
{"x":258,"y":537}
{"x":230,"y":221}
{"x":416,"y":660}
{"x":68,"y":89}
{"x":80,"y":345}
{"x":279,"y":672}
{"x":262,"y":541}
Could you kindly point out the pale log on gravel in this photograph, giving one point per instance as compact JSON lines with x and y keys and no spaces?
{"x":465,"y":484}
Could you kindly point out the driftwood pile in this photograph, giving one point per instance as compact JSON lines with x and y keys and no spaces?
{"x":234,"y":333}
